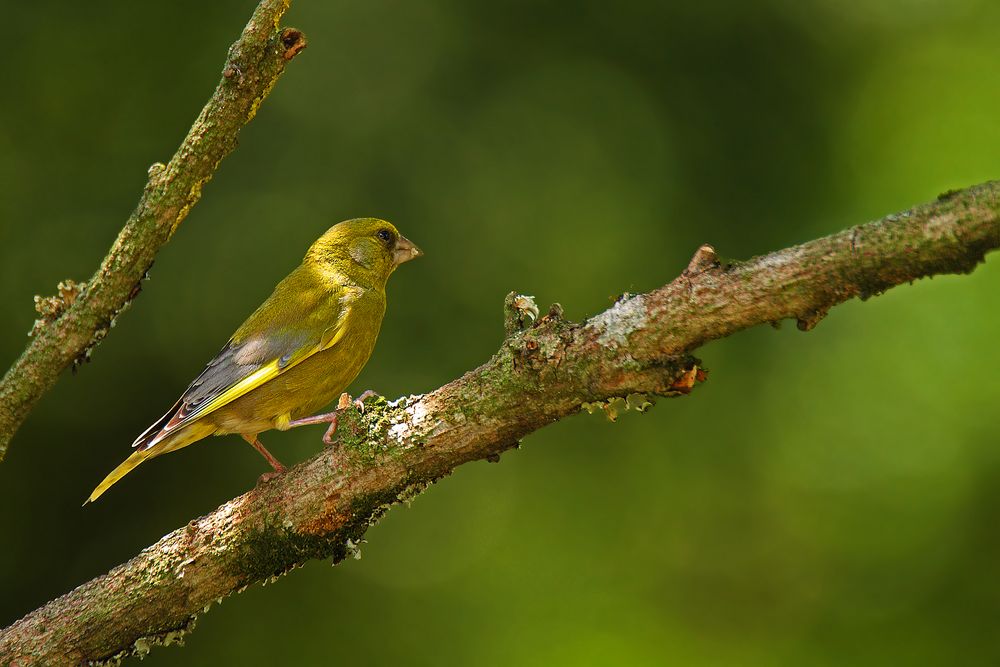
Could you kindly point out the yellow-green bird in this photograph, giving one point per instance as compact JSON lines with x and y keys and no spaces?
{"x":302,"y":347}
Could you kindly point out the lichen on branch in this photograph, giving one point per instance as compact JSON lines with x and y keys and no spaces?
{"x":76,"y":320}
{"x":546,"y":369}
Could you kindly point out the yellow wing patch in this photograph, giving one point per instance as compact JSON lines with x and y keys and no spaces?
{"x":262,"y":375}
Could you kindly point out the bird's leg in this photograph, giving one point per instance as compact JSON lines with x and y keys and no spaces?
{"x":330,"y":418}
{"x":275,"y":463}
{"x":325,"y":418}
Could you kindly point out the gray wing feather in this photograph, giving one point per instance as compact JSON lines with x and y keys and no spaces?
{"x":287,"y":331}
{"x":232,"y":364}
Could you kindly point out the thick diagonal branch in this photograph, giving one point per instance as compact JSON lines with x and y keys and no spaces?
{"x":78,"y":319}
{"x":322,"y":507}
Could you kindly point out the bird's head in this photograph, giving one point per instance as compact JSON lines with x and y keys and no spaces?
{"x":365,"y":250}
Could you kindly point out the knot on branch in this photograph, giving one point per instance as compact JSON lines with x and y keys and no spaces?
{"x":51,"y":308}
{"x":154,"y":177}
{"x":544,"y":340}
{"x":689,"y":378}
{"x":232,"y":69}
{"x":294,"y":41}
{"x":678,"y":377}
{"x":519,"y":311}
{"x":555,"y":314}
{"x":241,"y":62}
{"x":809,"y":321}
{"x":670,"y":376}
{"x":704,"y":259}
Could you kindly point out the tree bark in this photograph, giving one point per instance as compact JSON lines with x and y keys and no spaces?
{"x":543,"y":371}
{"x":81,"y":315}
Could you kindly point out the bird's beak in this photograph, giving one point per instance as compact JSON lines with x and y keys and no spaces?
{"x":405,"y":251}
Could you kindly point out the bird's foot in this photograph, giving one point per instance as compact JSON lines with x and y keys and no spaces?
{"x":331,"y":418}
{"x":330,"y":430}
{"x":325,"y":418}
{"x":269,"y":476}
{"x":345,"y":400}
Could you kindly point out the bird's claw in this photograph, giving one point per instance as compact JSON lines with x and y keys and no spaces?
{"x":269,"y":476}
{"x":359,"y":402}
{"x":331,"y":418}
{"x":330,"y":431}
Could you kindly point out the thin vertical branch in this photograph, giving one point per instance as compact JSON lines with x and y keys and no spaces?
{"x":76,"y":320}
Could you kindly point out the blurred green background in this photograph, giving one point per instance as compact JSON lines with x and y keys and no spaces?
{"x":824,"y":499}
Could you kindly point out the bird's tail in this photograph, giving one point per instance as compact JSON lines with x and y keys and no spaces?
{"x":119,"y":472}
{"x":180,"y":438}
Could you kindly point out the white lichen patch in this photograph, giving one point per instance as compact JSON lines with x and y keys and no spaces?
{"x":399,"y":428}
{"x":177,"y":636}
{"x":141,"y":647}
{"x":405,"y":401}
{"x":940,"y":227}
{"x":354,"y":548}
{"x":412,"y":420}
{"x":617,"y":323}
{"x":179,"y":569}
{"x":612,"y":406}
{"x":408,"y":494}
{"x":638,"y":402}
{"x":405,"y":410}
{"x":526,"y":307}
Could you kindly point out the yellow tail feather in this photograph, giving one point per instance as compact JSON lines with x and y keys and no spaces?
{"x":119,"y":472}
{"x":180,"y":438}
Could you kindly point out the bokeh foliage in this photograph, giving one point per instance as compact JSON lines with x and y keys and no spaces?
{"x":826,"y":498}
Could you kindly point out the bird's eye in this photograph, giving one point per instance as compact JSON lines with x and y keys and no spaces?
{"x":386,"y":236}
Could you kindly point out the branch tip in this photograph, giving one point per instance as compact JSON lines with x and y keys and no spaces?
{"x":554,"y":314}
{"x":809,"y":322}
{"x":519,"y":311}
{"x":704,"y":259}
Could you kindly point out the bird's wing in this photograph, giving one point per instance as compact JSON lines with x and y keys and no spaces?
{"x":290,"y":336}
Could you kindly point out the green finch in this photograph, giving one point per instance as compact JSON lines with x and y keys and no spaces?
{"x":302,"y":347}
